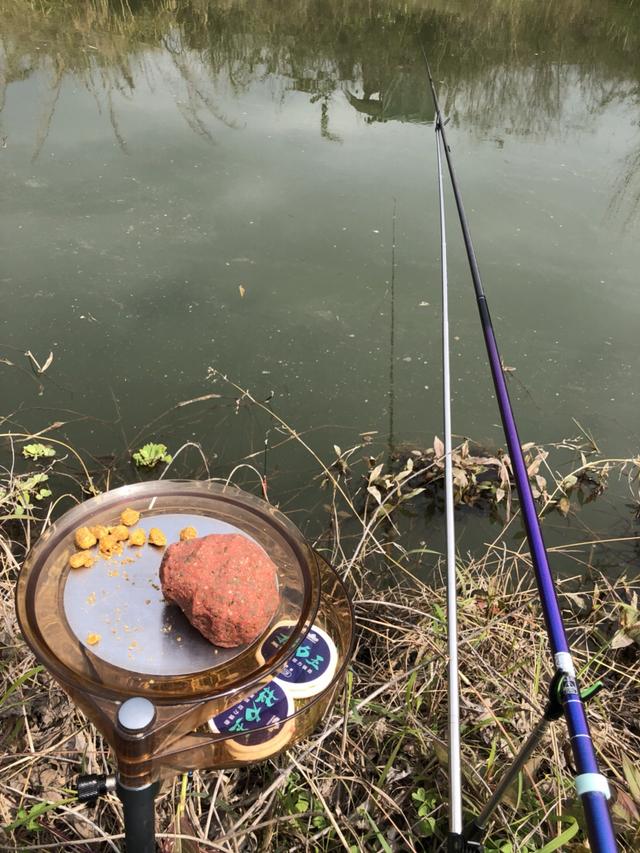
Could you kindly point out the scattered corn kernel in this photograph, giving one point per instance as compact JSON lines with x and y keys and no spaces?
{"x":81,"y":560}
{"x":129,"y":516}
{"x":157,"y":537}
{"x":137,"y":537}
{"x":99,"y":530}
{"x":84,"y":538}
{"x":188,"y":533}
{"x":109,"y":545}
{"x":93,"y":639}
{"x":120,"y":532}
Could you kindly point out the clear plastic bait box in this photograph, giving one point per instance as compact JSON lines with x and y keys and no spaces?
{"x":106,"y":634}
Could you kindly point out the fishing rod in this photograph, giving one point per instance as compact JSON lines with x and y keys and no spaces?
{"x":455,"y":775}
{"x":565,"y":697}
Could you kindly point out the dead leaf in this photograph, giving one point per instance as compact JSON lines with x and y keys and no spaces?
{"x":460,"y":478}
{"x":182,"y":844}
{"x":625,"y":808}
{"x":373,"y":476}
{"x":39,"y":368}
{"x":632,"y":775}
{"x":621,"y":639}
{"x":569,"y":482}
{"x":438,"y":447}
{"x":375,"y":493}
{"x":242,"y":291}
{"x":412,"y":494}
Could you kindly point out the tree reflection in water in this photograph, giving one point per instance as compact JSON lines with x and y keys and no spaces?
{"x":515,"y":69}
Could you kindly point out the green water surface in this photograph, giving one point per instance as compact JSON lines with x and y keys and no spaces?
{"x":200,"y":185}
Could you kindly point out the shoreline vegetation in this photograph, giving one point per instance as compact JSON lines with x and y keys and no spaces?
{"x":374,"y":775}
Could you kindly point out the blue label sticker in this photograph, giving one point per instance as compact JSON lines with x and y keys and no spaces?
{"x":274,"y":642}
{"x":266,"y":707}
{"x":312,"y":664}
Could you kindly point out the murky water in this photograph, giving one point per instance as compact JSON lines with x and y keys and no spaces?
{"x":217,"y":185}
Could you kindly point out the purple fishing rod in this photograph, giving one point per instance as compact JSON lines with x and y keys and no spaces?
{"x":591,"y":785}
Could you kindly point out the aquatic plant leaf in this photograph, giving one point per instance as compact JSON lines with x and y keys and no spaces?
{"x":35,"y":451}
{"x":150,"y":454}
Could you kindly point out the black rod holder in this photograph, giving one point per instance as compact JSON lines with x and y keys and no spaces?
{"x":139,"y":817}
{"x":553,"y":711}
{"x":457,"y":843}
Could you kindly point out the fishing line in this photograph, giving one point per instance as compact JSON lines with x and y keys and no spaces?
{"x":392,"y":334}
{"x":565,"y":697}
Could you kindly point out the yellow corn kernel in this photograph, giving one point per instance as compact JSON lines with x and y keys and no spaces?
{"x":81,"y":560}
{"x":157,"y":537}
{"x":120,"y":532}
{"x":188,"y":533}
{"x":129,"y":516}
{"x":93,"y":639}
{"x":109,"y":545}
{"x":84,"y":538}
{"x":137,"y":537}
{"x":99,"y":530}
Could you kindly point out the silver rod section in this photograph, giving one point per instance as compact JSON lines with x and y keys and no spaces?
{"x":455,"y":779}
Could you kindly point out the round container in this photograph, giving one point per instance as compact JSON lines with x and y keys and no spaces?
{"x":312,"y":666}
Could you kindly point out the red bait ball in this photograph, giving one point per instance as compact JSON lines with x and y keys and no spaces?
{"x":224,"y":584}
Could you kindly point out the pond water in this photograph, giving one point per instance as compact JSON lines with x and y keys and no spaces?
{"x":201,"y":185}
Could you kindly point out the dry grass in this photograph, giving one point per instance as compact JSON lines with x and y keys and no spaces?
{"x":374,"y":778}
